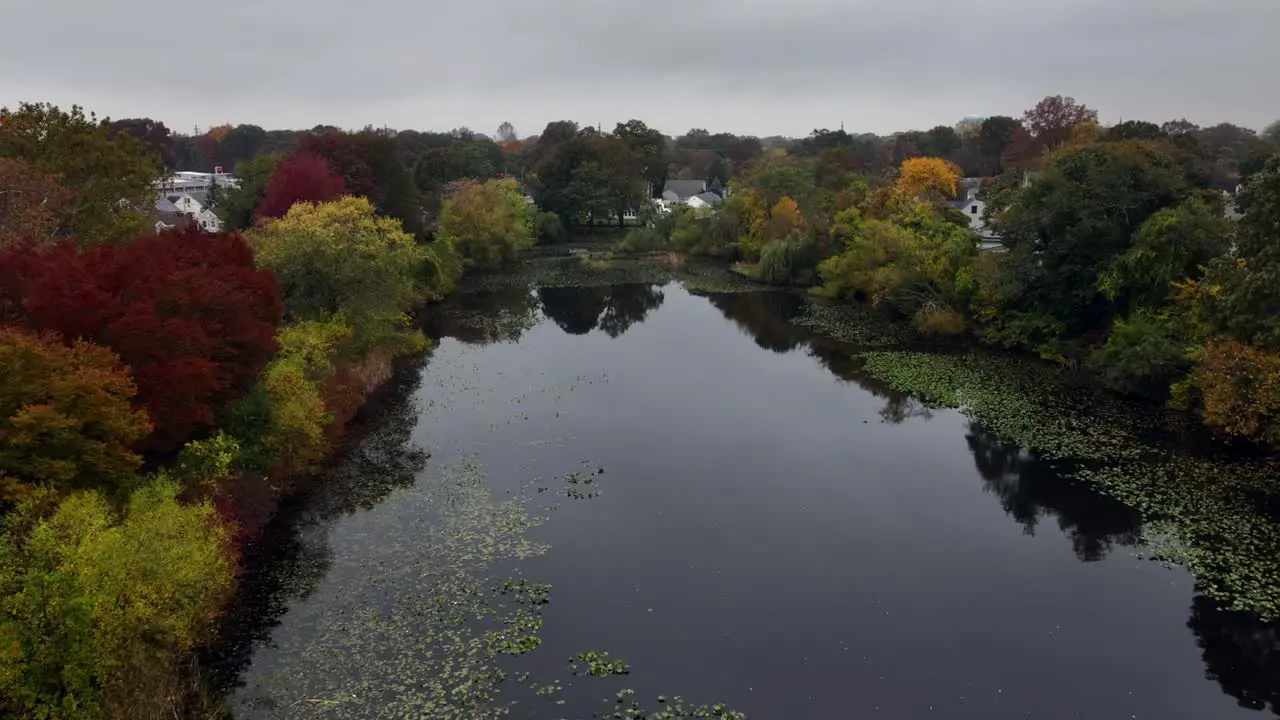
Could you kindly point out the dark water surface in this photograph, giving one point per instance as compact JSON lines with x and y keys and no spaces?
{"x":771,"y":531}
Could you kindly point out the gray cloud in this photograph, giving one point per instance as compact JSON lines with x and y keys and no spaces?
{"x":739,"y":65}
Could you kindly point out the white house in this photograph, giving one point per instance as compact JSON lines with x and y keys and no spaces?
{"x":973,"y":208}
{"x":704,"y":201}
{"x":678,"y":192}
{"x":172,"y":206}
{"x":208,"y":221}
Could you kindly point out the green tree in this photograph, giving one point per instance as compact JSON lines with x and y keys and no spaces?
{"x":112,"y":178}
{"x":1070,"y":225}
{"x":652,"y":149}
{"x":239,"y":203}
{"x":340,"y":257}
{"x":97,"y":610}
{"x":1272,"y":135}
{"x":487,"y":224}
{"x":623,"y":169}
{"x":1140,"y":357}
{"x":1248,"y":297}
{"x":1171,"y":246}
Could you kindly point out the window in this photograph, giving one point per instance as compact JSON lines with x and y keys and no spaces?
{"x":974,"y":210}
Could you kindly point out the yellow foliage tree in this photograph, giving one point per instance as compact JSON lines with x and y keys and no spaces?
{"x":784,"y":219}
{"x":929,"y":177}
{"x":1240,"y":388}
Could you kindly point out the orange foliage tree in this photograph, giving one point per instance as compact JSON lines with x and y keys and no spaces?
{"x":66,"y":418}
{"x":928,"y":177}
{"x":1240,"y":388}
{"x":784,"y":219}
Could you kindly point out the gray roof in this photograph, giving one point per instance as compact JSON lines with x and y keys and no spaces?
{"x":163,"y":205}
{"x":685,"y":188}
{"x":709,"y":198}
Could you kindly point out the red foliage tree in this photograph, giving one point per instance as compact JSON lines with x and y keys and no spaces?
{"x":345,"y":156}
{"x":188,"y":312}
{"x":303,"y":177}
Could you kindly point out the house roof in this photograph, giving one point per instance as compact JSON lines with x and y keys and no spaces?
{"x":164,"y":205}
{"x":709,"y":198}
{"x":685,"y":188}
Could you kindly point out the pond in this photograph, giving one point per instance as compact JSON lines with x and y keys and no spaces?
{"x":694,"y":485}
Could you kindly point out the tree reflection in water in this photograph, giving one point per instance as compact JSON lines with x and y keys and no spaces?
{"x":765,"y":316}
{"x":484,"y":318}
{"x":612,"y":309}
{"x":1030,"y":489}
{"x":1240,"y":652}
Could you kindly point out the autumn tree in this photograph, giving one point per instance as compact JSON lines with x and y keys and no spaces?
{"x":236,"y":209}
{"x":32,"y":203}
{"x":507,"y":133}
{"x":65,"y":417}
{"x":98,"y":610}
{"x":301,"y":178}
{"x":929,"y":177}
{"x":1053,"y":118}
{"x":486,"y":224}
{"x":110,"y":178}
{"x":784,"y":219}
{"x":340,"y":257}
{"x":346,"y":158}
{"x":187,"y":311}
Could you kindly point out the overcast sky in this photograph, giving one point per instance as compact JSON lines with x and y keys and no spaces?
{"x":744,"y":66}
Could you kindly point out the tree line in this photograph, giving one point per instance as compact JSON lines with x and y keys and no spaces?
{"x":159,"y":392}
{"x":1127,"y":250}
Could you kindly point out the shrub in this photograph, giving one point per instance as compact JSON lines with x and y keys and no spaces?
{"x":790,"y":261}
{"x":65,"y":417}
{"x":1140,"y":358}
{"x":934,"y":318}
{"x":550,"y":229}
{"x":97,"y":610}
{"x":187,"y":311}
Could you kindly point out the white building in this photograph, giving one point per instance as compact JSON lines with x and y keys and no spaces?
{"x":187,"y":194}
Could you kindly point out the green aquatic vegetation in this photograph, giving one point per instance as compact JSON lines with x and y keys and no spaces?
{"x":1203,"y":514}
{"x":598,"y":664}
{"x":853,"y":324}
{"x":626,"y":707}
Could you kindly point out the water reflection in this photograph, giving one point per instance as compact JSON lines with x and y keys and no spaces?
{"x":484,"y":318}
{"x":295,"y":554}
{"x":614,"y":310}
{"x":1030,"y":489}
{"x":1242,"y":654}
{"x":769,"y":319}
{"x":765,"y":316}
